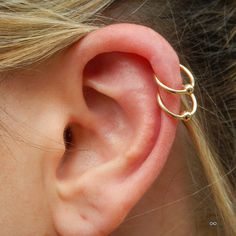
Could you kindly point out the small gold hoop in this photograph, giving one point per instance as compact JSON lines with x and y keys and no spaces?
{"x":187,"y":90}
{"x":186,"y":115}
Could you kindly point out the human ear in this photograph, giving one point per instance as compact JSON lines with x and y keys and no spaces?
{"x":122,"y":137}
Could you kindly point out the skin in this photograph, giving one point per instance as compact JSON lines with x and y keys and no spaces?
{"x":39,"y":181}
{"x":171,"y":216}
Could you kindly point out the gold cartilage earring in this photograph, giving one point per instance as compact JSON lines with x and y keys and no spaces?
{"x":188,"y":89}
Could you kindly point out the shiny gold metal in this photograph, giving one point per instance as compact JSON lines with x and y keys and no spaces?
{"x":188,"y":89}
{"x":186,"y":115}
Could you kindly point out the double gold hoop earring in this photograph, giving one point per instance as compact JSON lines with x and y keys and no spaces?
{"x":188,"y":89}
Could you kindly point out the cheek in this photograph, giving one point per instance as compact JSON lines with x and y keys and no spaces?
{"x":32,"y":121}
{"x":33,"y":133}
{"x":23,"y":205}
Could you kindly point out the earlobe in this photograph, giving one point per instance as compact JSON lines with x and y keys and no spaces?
{"x":128,"y":138}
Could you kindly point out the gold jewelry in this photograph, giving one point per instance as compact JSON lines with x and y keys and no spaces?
{"x":187,"y":89}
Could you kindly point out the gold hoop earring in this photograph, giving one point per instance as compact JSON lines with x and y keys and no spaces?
{"x":188,"y":89}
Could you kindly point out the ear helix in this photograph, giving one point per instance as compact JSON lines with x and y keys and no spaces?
{"x":188,"y":89}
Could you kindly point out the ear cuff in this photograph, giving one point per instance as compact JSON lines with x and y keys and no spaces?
{"x":188,"y":89}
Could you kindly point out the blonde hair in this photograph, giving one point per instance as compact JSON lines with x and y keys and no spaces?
{"x":31,"y":31}
{"x":34,"y":30}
